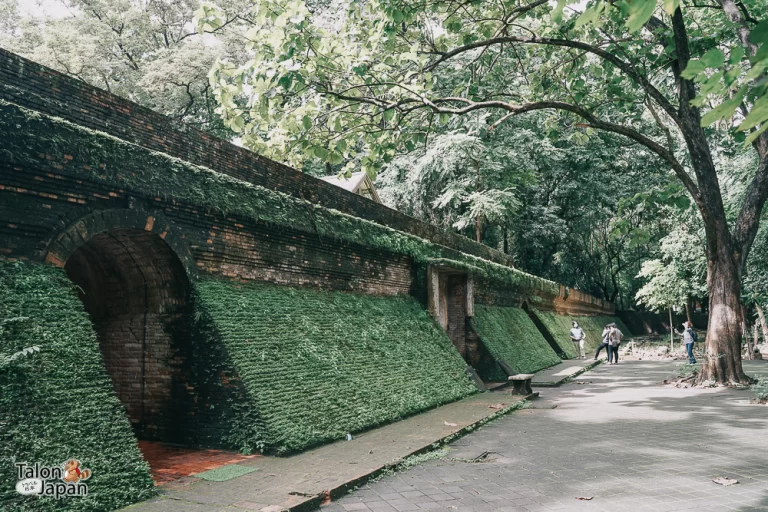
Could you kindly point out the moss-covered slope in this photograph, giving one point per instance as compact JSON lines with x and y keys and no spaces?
{"x":319,"y":364}
{"x":559,"y":326}
{"x":58,"y":403}
{"x":511,"y":336}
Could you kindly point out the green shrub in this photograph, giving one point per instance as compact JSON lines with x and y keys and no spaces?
{"x":58,"y":403}
{"x":686,"y":371}
{"x":319,"y":364}
{"x":760,"y":390}
{"x":511,"y":336}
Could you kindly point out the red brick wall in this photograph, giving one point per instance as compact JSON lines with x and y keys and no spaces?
{"x":136,"y":293}
{"x":35,"y":206}
{"x":456,"y":302}
{"x":36,"y":87}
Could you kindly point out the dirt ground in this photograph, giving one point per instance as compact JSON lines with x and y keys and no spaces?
{"x":657,"y":348}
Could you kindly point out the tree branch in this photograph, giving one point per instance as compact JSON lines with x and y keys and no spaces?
{"x":641,"y":80}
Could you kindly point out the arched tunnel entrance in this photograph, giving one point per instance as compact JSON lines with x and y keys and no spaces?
{"x":137,"y":294}
{"x":139,"y":298}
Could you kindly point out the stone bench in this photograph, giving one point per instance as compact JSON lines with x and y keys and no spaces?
{"x":521,"y":384}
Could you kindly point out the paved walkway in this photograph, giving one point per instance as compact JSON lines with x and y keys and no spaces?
{"x":305,"y":479}
{"x":614,"y":435}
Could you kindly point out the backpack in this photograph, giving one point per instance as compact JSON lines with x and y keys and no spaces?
{"x":694,"y":336}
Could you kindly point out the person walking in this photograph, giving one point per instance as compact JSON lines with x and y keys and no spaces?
{"x":577,"y":337}
{"x":689,"y":337}
{"x":604,"y":344}
{"x":614,"y":341}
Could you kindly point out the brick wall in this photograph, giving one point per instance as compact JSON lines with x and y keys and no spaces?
{"x":34,"y":86}
{"x":125,"y":240}
{"x":136,"y":293}
{"x":456,"y":308}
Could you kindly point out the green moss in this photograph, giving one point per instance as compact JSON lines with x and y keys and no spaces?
{"x":102,"y":158}
{"x":559,"y":327}
{"x":511,"y":336}
{"x":320,"y":364}
{"x":58,"y":403}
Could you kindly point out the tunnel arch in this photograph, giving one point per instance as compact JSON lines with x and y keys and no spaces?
{"x":133,"y":277}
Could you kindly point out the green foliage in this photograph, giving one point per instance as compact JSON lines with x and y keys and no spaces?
{"x":57,"y":403}
{"x":511,"y":336}
{"x":559,"y":326}
{"x":760,"y":390}
{"x":320,"y":364}
{"x":105,"y":159}
{"x":143,"y":51}
{"x":678,"y":275}
{"x":686,"y":370}
{"x":224,"y":473}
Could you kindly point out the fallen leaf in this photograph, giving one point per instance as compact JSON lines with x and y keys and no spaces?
{"x":450,"y":424}
{"x":721,"y":480}
{"x":584,"y":498}
{"x":496,"y":406}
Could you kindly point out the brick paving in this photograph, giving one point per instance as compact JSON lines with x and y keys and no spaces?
{"x":168,"y":463}
{"x":616,"y":435}
{"x":304,"y":479}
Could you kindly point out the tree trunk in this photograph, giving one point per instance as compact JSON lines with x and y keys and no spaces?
{"x":722,"y":362}
{"x":688,"y":311}
{"x":671,"y":332}
{"x":747,"y":332}
{"x":763,"y":324}
{"x":506,"y":240}
{"x":754,"y":351}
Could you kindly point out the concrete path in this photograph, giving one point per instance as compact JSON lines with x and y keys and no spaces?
{"x":303,"y":481}
{"x":616,"y":435}
{"x":563,"y":372}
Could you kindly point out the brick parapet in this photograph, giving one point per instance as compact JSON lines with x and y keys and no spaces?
{"x":33,"y":86}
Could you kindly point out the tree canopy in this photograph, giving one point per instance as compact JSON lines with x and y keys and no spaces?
{"x":616,"y":146}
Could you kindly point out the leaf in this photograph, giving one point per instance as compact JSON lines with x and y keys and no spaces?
{"x":758,"y":114}
{"x":238,"y":123}
{"x":737,"y":54}
{"x":756,"y":134}
{"x":693,"y":68}
{"x":671,"y":6}
{"x":725,"y":110}
{"x":557,"y":12}
{"x":590,"y":15}
{"x":721,"y":480}
{"x":307,"y":122}
{"x":714,"y":58}
{"x":640,"y":11}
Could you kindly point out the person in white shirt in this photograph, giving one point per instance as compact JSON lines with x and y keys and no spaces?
{"x":577,"y":337}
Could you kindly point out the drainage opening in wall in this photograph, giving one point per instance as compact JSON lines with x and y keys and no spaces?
{"x":138,"y":296}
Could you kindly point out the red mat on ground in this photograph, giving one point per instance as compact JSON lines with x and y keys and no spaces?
{"x":168,"y":463}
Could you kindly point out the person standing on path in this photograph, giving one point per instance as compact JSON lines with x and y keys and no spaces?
{"x":577,"y":337}
{"x":604,"y":344}
{"x":689,"y":337}
{"x":614,"y":340}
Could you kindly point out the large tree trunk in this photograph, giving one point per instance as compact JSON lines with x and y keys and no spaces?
{"x":722,"y":362}
{"x":689,"y":310}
